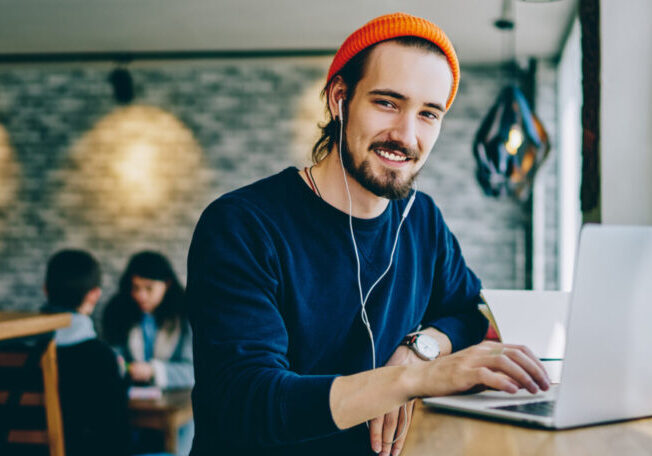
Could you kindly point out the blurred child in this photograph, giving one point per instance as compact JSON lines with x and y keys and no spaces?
{"x":146,"y":323}
{"x":92,"y":392}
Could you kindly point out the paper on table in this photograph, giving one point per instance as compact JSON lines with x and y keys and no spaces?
{"x":536,"y":319}
{"x":145,"y":392}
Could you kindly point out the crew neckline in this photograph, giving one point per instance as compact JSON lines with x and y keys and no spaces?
{"x":322,"y":205}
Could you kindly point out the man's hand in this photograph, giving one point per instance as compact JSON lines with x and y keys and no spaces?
{"x":357,"y":398}
{"x":141,"y":372}
{"x":489,"y":364}
{"x":384,"y":429}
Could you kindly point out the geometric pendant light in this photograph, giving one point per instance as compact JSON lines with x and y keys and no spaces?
{"x":509,"y":146}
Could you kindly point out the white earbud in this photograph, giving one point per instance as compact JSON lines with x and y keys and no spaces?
{"x":339,"y":105}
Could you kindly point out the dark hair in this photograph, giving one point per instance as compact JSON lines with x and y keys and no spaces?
{"x":122,"y":312}
{"x":351,"y":73}
{"x":70,"y":275}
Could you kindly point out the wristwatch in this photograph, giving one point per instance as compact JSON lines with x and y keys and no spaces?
{"x":425,"y":346}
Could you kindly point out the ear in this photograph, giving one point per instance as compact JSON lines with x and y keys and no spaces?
{"x":336,"y":91}
{"x":93,"y":295}
{"x":90,"y":300}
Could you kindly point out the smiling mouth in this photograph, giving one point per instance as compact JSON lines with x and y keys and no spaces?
{"x":391,"y":155}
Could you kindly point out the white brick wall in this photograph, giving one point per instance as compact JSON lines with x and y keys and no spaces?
{"x":242,"y":118}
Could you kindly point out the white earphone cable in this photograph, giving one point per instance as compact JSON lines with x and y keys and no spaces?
{"x":363,"y":300}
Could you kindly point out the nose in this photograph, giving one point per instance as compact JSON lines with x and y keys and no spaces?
{"x":404,"y":131}
{"x":139,"y":296}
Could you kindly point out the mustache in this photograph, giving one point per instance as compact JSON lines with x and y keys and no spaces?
{"x":395,"y":145}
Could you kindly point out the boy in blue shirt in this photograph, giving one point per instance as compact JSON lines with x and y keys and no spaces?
{"x":93,"y":394}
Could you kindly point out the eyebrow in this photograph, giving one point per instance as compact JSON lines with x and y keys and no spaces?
{"x":398,"y":96}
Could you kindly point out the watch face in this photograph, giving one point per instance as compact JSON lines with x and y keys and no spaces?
{"x":427,"y":346}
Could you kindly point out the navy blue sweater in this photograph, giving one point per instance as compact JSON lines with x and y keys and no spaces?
{"x":275,"y":310}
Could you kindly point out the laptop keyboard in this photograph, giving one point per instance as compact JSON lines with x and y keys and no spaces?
{"x":542,"y":408}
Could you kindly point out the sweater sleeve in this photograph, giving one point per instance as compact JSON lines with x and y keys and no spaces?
{"x":453,"y":307}
{"x":245,"y":392}
{"x":177,"y":372}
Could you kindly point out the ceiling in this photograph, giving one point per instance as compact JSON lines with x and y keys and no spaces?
{"x":101,"y":26}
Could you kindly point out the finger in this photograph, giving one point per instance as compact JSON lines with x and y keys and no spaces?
{"x":479,"y":388}
{"x":375,"y":434}
{"x":530,"y":354}
{"x":504,"y":364}
{"x":508,"y":366}
{"x":404,"y":418}
{"x":411,"y":409}
{"x":496,"y":380}
{"x":531,"y":366}
{"x":389,"y":430}
{"x":401,"y":430}
{"x":510,"y":380}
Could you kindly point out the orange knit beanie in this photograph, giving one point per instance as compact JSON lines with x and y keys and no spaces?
{"x":391,"y":26}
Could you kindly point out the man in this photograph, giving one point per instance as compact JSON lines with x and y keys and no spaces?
{"x":93,"y":395}
{"x":303,"y":283}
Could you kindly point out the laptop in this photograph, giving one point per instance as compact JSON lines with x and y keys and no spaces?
{"x":607,"y":369}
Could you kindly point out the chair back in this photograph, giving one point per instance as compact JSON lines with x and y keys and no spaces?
{"x":30,"y":410}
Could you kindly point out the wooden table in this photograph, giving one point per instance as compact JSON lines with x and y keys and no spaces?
{"x":166,"y":414}
{"x":439,"y":433}
{"x":21,"y":324}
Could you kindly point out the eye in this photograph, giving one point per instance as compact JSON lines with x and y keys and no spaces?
{"x":384,"y":103}
{"x":430,"y":115}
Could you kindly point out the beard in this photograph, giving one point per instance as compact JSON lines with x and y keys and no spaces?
{"x":386,"y":185}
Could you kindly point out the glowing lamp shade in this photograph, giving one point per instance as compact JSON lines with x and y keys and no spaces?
{"x":509,"y":146}
{"x":135,"y":166}
{"x":8,"y":171}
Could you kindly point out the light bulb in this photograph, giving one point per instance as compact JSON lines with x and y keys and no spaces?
{"x":514,"y":140}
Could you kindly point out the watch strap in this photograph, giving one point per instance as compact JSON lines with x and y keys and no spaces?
{"x":409,"y":339}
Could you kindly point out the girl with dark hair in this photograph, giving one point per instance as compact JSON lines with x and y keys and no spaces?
{"x":145,"y":322}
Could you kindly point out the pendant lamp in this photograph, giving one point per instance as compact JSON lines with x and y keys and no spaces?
{"x":511,"y":142}
{"x":509,"y":146}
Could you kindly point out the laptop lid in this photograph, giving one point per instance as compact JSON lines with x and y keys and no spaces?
{"x":607,"y":369}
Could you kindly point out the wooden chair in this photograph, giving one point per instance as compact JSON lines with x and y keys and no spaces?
{"x":30,"y":411}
